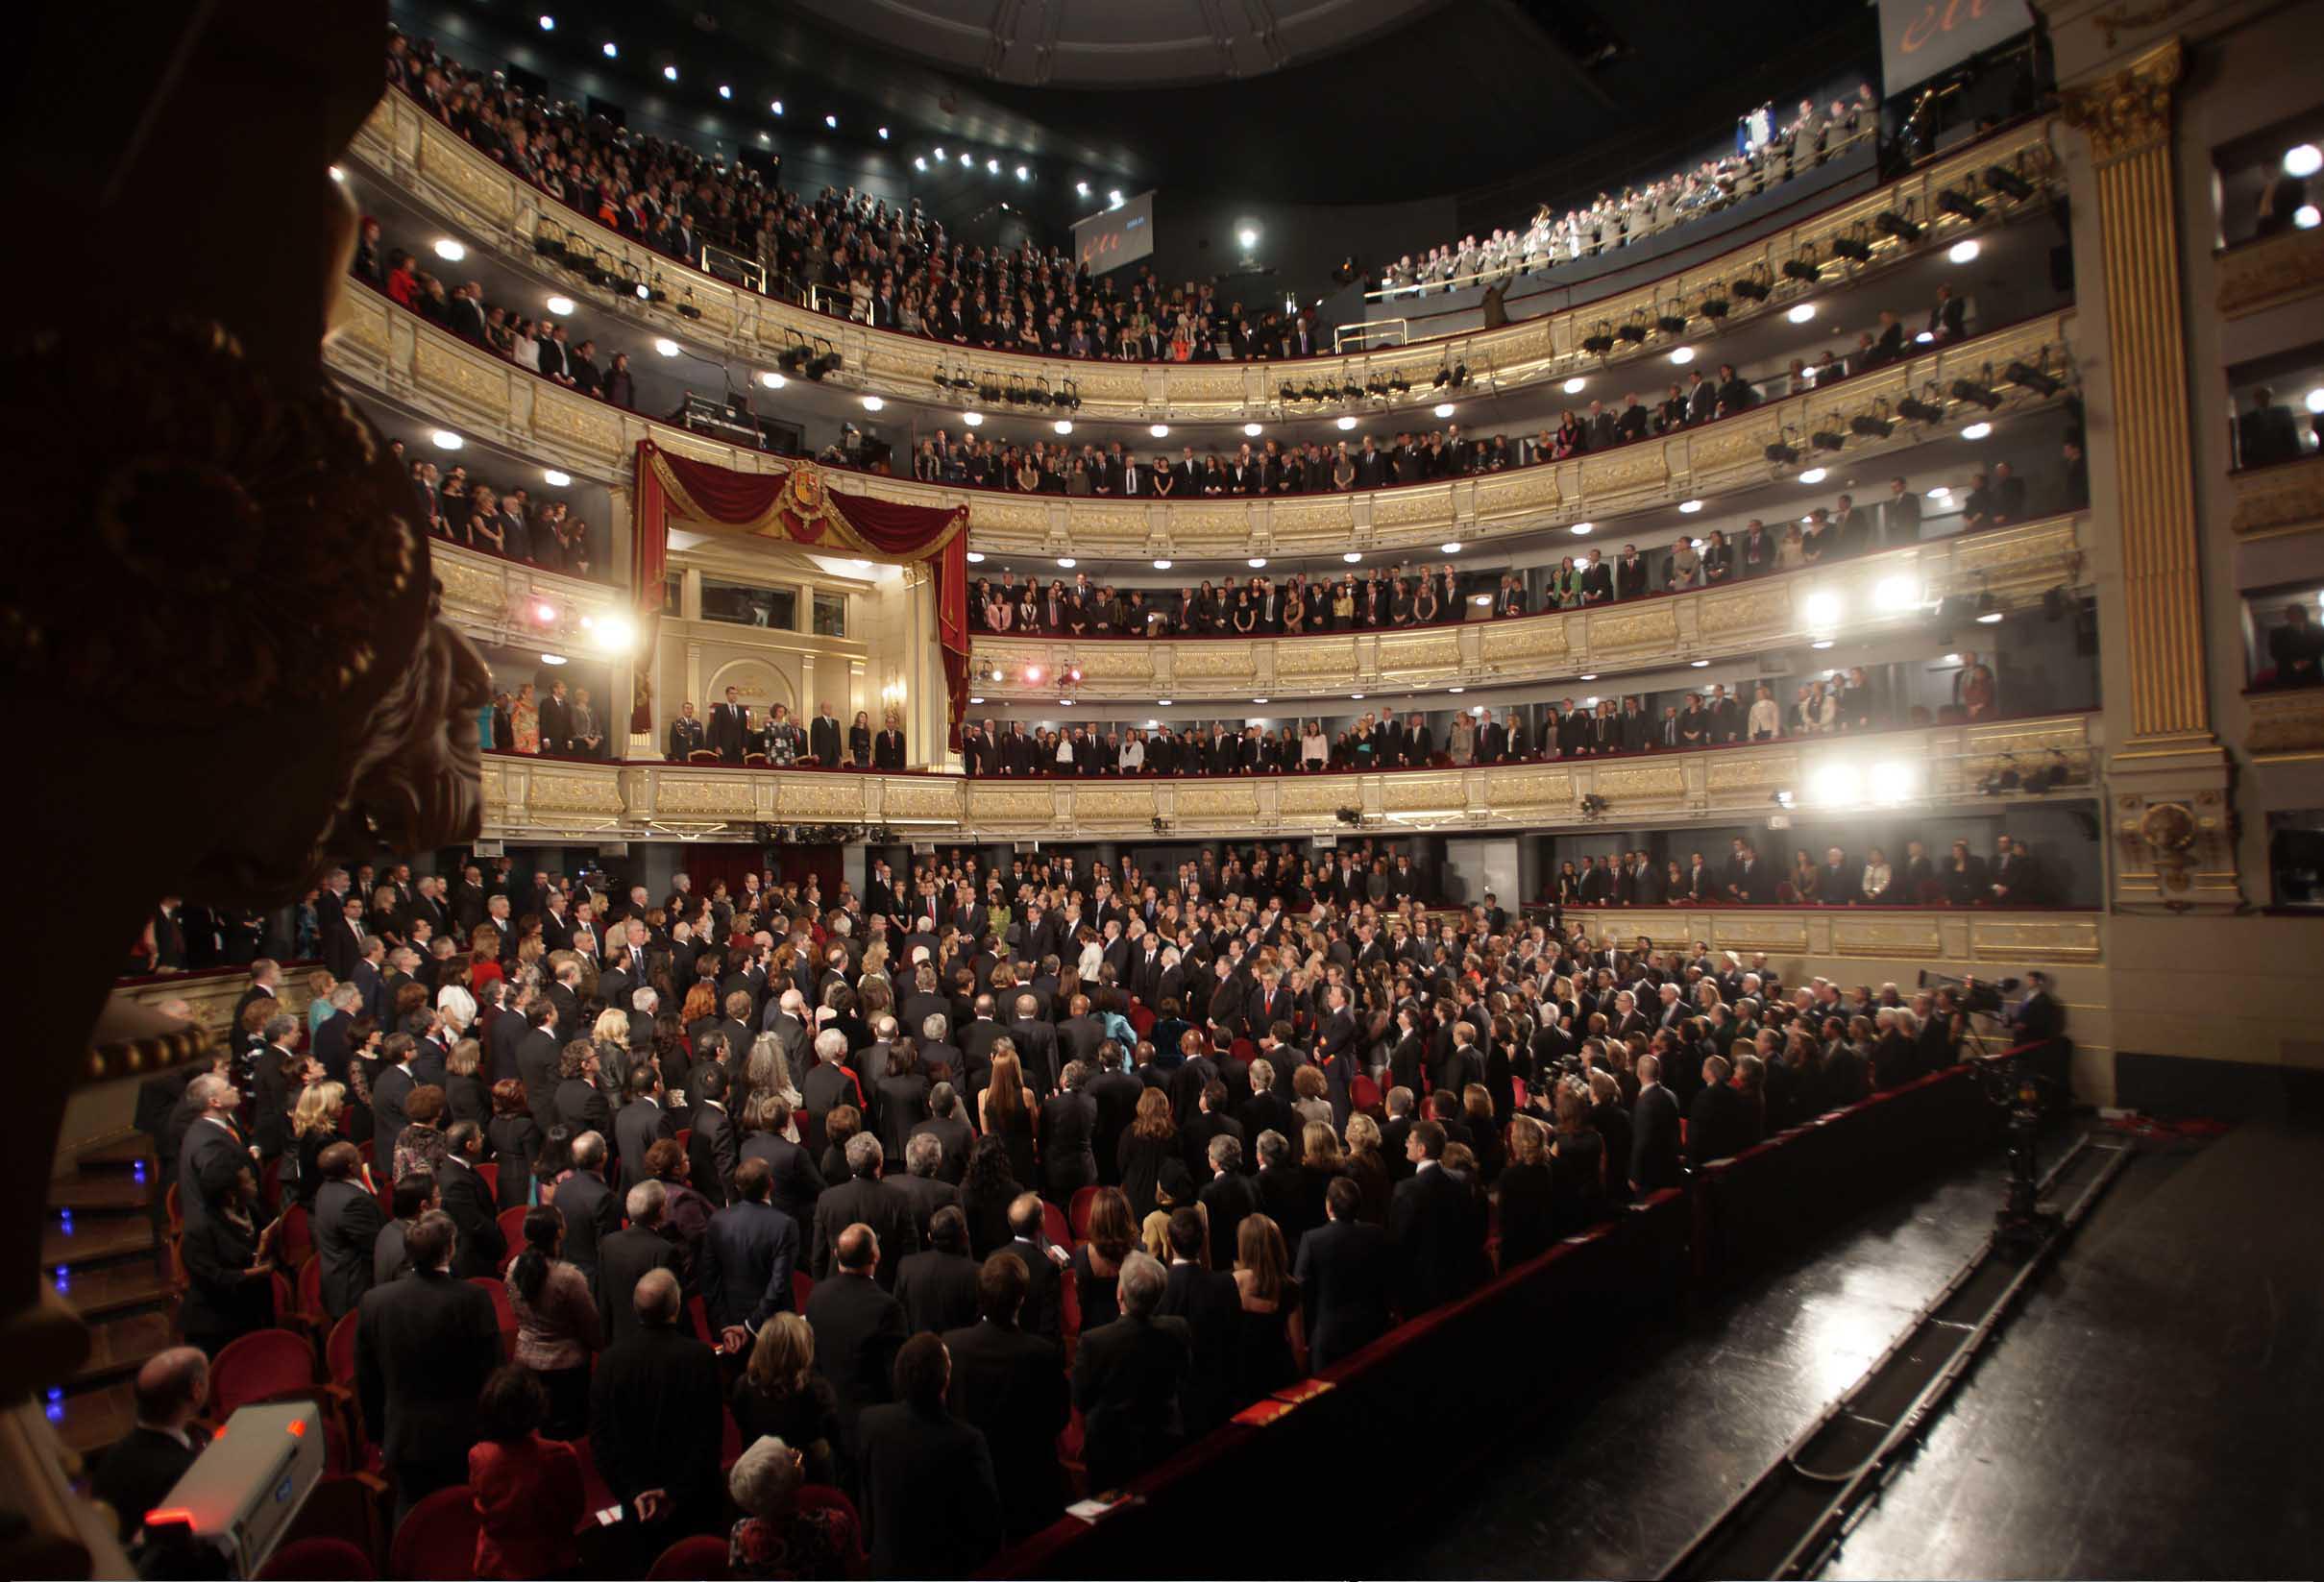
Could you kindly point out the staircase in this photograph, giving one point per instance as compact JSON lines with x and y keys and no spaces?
{"x":102,"y":1253}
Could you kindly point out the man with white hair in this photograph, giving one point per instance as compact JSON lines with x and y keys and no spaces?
{"x":628,"y":1255}
{"x":1127,"y":1376}
{"x":831,"y":1083}
{"x":211,"y":1135}
{"x":864,"y":1199}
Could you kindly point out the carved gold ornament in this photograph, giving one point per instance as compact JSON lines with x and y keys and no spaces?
{"x":2130,"y":110}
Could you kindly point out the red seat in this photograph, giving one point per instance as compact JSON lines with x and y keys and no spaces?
{"x":802,"y":1286}
{"x":311,"y":1296}
{"x":347,"y":1508}
{"x":170,"y":1208}
{"x":1243,"y":1049}
{"x":1078,"y":1212}
{"x":684,"y":1135}
{"x":295,"y":1242}
{"x":498,"y":1290}
{"x":490,"y":1174}
{"x":339,"y":1350}
{"x":322,"y":1559}
{"x":691,"y":1559}
{"x":437,"y":1542}
{"x":1142,"y":1019}
{"x":263,"y":1364}
{"x":512,"y":1231}
{"x":1364,"y":1095}
{"x":270,"y":1182}
{"x":1054,"y":1226}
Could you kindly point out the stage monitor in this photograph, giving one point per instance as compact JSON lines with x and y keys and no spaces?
{"x":1918,"y":38}
{"x":1116,"y":236}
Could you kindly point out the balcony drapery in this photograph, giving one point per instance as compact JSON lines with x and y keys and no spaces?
{"x":798,"y":504}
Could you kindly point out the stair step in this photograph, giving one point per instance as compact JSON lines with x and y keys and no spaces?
{"x":115,"y":1288}
{"x":121,"y":1153}
{"x":87,"y":1421}
{"x":120,"y":1346}
{"x":109,"y":1239}
{"x":114,"y":1192}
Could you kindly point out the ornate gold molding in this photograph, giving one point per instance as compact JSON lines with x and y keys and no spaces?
{"x":2269,"y":271}
{"x":2129,"y":111}
{"x":2285,"y":723}
{"x":2287,"y":497}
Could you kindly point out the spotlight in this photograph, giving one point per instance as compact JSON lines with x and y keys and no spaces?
{"x":2008,"y":183}
{"x":725,"y":90}
{"x":873,"y":404}
{"x":1062,"y":425}
{"x":1821,"y":611}
{"x":450,"y":251}
{"x":549,"y":23}
{"x":1347,"y":423}
{"x":1252,"y":430}
{"x":1813,"y":476}
{"x":1854,"y":249}
{"x":1576,"y":386}
{"x":1889,"y":223}
{"x":1582,"y":529}
{"x":1633,"y":333}
{"x":1080,"y":189}
{"x":1353,"y":557}
{"x":832,"y":122}
{"x":2032,"y":379}
{"x":777,"y":106}
{"x":1714,"y":307}
{"x":2303,"y":161}
{"x":544,"y":614}
{"x":1803,"y":269}
{"x":1826,"y":439}
{"x":1976,"y":431}
{"x":1989,"y":610}
{"x":1751,"y":290}
{"x":1672,"y":324}
{"x":1688,"y":507}
{"x":444,"y":439}
{"x":562,"y":306}
{"x":1444,"y":409}
{"x":883,"y":135}
{"x":1682,"y":355}
{"x":1450,"y":547}
{"x":919,"y":162}
{"x":670,"y":74}
{"x":613,"y":51}
{"x":1160,"y":431}
{"x":1917,"y":410}
{"x":667,"y":347}
{"x":1114,"y":198}
{"x":1781,"y":455}
{"x":1964,"y":251}
{"x":1870,"y":427}
{"x":1162,"y":565}
{"x":1953,"y":201}
{"x":1033,"y":675}
{"x":1597,"y":345}
{"x":1801,"y":312}
{"x":555,"y":478}
{"x":1982,"y":394}
{"x":1257,"y":563}
{"x":1896,"y":593}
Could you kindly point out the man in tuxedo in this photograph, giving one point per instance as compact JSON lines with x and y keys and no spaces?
{"x":1747,"y":879}
{"x":343,"y":940}
{"x":556,"y":720}
{"x":655,"y":1405}
{"x":472,"y":1205}
{"x":1899,"y":516}
{"x":926,"y":1478}
{"x":1654,"y":1162}
{"x":865,"y":1200}
{"x":1206,"y":1299}
{"x":687,"y":735}
{"x":1010,"y":1383}
{"x":347,"y":1224}
{"x":1947,"y":316}
{"x":1128,"y":1380}
{"x":1345,"y":1271}
{"x":1436,"y":1231}
{"x":630,"y":1254}
{"x":591,"y":1210}
{"x":747,"y":1257}
{"x":824,"y":735}
{"x":858,"y":1326}
{"x":136,"y":1473}
{"x":729,"y":726}
{"x":423,"y":1348}
{"x":643,"y":1122}
{"x":1719,"y":1122}
{"x":713,"y":1144}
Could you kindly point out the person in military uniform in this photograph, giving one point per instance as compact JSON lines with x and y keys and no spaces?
{"x":687,"y":735}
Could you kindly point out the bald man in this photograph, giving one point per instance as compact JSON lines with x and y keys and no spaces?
{"x":858,"y":1327}
{"x":655,"y":1421}
{"x":138,"y":1471}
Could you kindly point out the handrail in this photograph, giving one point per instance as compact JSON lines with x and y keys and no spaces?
{"x":406,"y":145}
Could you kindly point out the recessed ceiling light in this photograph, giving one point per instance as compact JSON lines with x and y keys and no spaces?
{"x":725,"y":90}
{"x":1063,"y":426}
{"x":976,"y":700}
{"x":2314,"y":399}
{"x":1450,"y":547}
{"x":1689,"y":507}
{"x":883,"y":135}
{"x":1801,"y":312}
{"x":974,"y":420}
{"x":1065,"y":562}
{"x":612,"y":50}
{"x":1251,"y":430}
{"x":1683,"y":355}
{"x":832,"y":121}
{"x":1814,"y":476}
{"x":1444,"y":409}
{"x":549,"y":23}
{"x":1160,"y":431}
{"x":1991,"y":618}
{"x":976,"y":557}
{"x":1457,"y":689}
{"x":1575,"y":385}
{"x":775,"y":105}
{"x":1162,"y":702}
{"x":1024,"y":175}
{"x":1162,"y":565}
{"x":1964,"y":252}
{"x":968,"y":159}
{"x":873,"y":404}
{"x":562,"y":306}
{"x":555,"y":478}
{"x":1353,"y":557}
{"x":1356,"y":697}
{"x":2303,"y":160}
{"x":337,"y":174}
{"x":920,"y":161}
{"x":1257,"y":562}
{"x":1589,"y":675}
{"x":1700,"y":664}
{"x":670,"y":74}
{"x":771,"y":380}
{"x":1114,"y":198}
{"x":667,"y":347}
{"x":553,"y":658}
{"x":1259,"y":700}
{"x":1080,"y":189}
{"x":1583,"y":527}
{"x":1346,"y":424}
{"x":1820,"y":642}
{"x":2307,"y":216}
{"x":1976,"y":430}
{"x":993,"y":167}
{"x":940,"y":154}
{"x":450,"y":251}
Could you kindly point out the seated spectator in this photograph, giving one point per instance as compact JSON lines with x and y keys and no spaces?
{"x":775,"y":1536}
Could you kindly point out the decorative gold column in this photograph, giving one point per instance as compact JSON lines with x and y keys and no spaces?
{"x":2167,"y":782}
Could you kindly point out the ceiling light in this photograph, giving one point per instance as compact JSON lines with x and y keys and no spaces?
{"x":777,"y":106}
{"x":1080,"y":189}
{"x":1251,"y":430}
{"x":1814,"y":474}
{"x":1976,"y":430}
{"x":1356,"y":697}
{"x":1821,"y":609}
{"x":612,"y":50}
{"x":873,"y":404}
{"x":450,"y":251}
{"x":2305,"y":216}
{"x":1801,"y":312}
{"x":1582,"y":529}
{"x":832,"y":121}
{"x":1895,"y":593}
{"x":1700,"y":664}
{"x":1248,"y":237}
{"x":555,"y":478}
{"x":771,"y":380}
{"x":1482,"y":599}
{"x":1160,"y":431}
{"x":667,"y":347}
{"x":940,"y":154}
{"x":444,"y":439}
{"x":1451,"y":548}
{"x":549,"y":23}
{"x":1575,"y":385}
{"x":1683,"y":355}
{"x":1257,"y":562}
{"x":1347,"y":424}
{"x":670,"y":74}
{"x":976,"y":557}
{"x":615,"y":634}
{"x":968,"y":159}
{"x":1162,"y":565}
{"x":993,"y":167}
{"x":883,"y":135}
{"x":2314,"y":399}
{"x":1589,"y":675}
{"x":337,"y":174}
{"x":1964,"y":252}
{"x":1457,"y":689}
{"x":1063,"y":426}
{"x":1688,"y":507}
{"x":553,"y":658}
{"x":562,"y":306}
{"x":1259,"y":700}
{"x":974,"y":420}
{"x":725,"y":90}
{"x":1065,"y":563}
{"x":544,"y":613}
{"x":1162,"y":702}
{"x":1991,"y":618}
{"x":1114,"y":198}
{"x":1444,"y":409}
{"x":1353,"y":557}
{"x":976,"y":700}
{"x":2303,"y":161}
{"x":1024,"y":175}
{"x":1839,"y":783}
{"x":920,"y":161}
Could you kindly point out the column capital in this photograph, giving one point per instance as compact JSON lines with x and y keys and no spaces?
{"x":2128,"y":111}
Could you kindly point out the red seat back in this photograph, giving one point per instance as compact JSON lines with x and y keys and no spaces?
{"x":512,"y":1234}
{"x":1054,"y":1226}
{"x":498,"y":1290}
{"x":295,"y":1242}
{"x":169,"y":1207}
{"x":802,"y":1286}
{"x":437,"y":1541}
{"x":816,"y":1497}
{"x":1363,"y":1094}
{"x":691,"y":1559}
{"x":319,"y":1559}
{"x":339,"y":1350}
{"x":1078,"y":1212}
{"x":263,"y":1363}
{"x":490,"y":1174}
{"x":311,"y":1291}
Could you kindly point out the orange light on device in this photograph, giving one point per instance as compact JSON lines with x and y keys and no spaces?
{"x":296,"y":1427}
{"x":169,"y":1516}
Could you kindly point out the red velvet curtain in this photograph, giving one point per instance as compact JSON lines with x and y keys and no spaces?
{"x":799,"y":505}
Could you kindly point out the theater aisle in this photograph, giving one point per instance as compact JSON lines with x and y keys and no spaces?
{"x":1682,"y":1417}
{"x":2151,"y":1409}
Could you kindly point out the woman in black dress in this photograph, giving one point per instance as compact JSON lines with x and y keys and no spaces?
{"x":515,"y":1139}
{"x":1068,"y":1127}
{"x":1097,"y":1262}
{"x":859,"y":741}
{"x":1150,"y":1138}
{"x":227,"y":1261}
{"x":986,"y":1192}
{"x":781,"y":1394}
{"x":1526,"y":1195}
{"x":1576,"y":1166}
{"x":1264,"y":1363}
{"x":1003,"y":1112}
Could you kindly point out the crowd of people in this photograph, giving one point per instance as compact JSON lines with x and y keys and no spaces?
{"x":902,"y":1177}
{"x":503,"y":520}
{"x":1768,"y":156}
{"x":2014,"y":876}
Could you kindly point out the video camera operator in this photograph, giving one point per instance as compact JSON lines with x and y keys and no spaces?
{"x":2039,"y":1017}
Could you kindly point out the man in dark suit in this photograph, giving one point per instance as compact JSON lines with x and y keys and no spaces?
{"x":729,"y":726}
{"x":1433,"y":1224}
{"x":423,"y":1348}
{"x":747,"y":1257}
{"x":474,"y":1210}
{"x":1128,"y":1377}
{"x":1654,"y":1162}
{"x":858,"y":1327}
{"x":655,"y":1405}
{"x":209,"y":1135}
{"x":926,"y":1478}
{"x":343,"y":940}
{"x":1043,"y":1311}
{"x":538,"y":1055}
{"x":628,"y":1254}
{"x":556,"y":720}
{"x":920,"y":1182}
{"x":1010,"y":1384}
{"x":642,"y":1123}
{"x":687,"y":735}
{"x":347,"y":1224}
{"x":138,"y":1473}
{"x":712,"y":1147}
{"x":1207,"y":1300}
{"x":1346,"y":1270}
{"x":866,"y":1199}
{"x":1718,"y":1123}
{"x":952,"y":1133}
{"x":937,"y":1285}
{"x":590,"y":1208}
{"x":796,"y":1182}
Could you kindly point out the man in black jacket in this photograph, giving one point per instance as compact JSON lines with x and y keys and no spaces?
{"x":858,"y":1328}
{"x":729,"y":726}
{"x":1010,"y":1384}
{"x":1718,"y":1123}
{"x":655,"y":1409}
{"x":926,"y":1478}
{"x":866,"y":1199}
{"x":1127,"y":1380}
{"x":642,"y":1123}
{"x":472,"y":1205}
{"x":937,"y":1285}
{"x":747,"y":1257}
{"x":1654,"y":1162}
{"x":630,"y":1254}
{"x":1213,"y":1311}
{"x":1345,"y":1272}
{"x":423,"y":1348}
{"x":139,"y":1470}
{"x":591,"y":1211}
{"x":347,"y":1224}
{"x":1434,"y":1225}
{"x":713,"y":1149}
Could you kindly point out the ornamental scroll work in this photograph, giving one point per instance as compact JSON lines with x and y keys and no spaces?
{"x":2129,"y":111}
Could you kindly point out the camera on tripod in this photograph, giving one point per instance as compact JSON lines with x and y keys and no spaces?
{"x":1973,"y":995}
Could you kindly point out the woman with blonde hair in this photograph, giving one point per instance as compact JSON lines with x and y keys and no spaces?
{"x":1525,"y":1194}
{"x":1367,"y":1169}
{"x":768,"y":1071}
{"x":483,"y":958}
{"x":466,"y":1096}
{"x":319,"y":985}
{"x":1270,"y":1298}
{"x":314,"y":1125}
{"x":781,"y":1394}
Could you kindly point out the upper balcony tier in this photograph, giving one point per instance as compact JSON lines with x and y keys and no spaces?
{"x":402,"y":145}
{"x":401,"y":355}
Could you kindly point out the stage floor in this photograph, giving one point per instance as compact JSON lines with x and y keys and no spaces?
{"x":2145,"y":1412}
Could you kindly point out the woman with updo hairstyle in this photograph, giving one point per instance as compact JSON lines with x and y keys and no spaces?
{"x":780,"y":1394}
